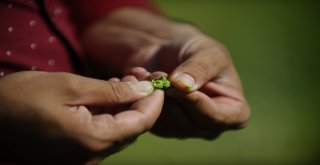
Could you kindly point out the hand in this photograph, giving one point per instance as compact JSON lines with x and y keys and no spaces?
{"x":208,"y":97}
{"x":45,"y":117}
{"x":210,"y":100}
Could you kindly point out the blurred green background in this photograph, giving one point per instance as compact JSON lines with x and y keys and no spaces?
{"x":275,"y":46}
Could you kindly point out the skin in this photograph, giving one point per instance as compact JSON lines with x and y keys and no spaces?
{"x":47,"y":117}
{"x":83,"y":120}
{"x":212,"y":102}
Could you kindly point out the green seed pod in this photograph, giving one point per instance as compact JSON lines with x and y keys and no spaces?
{"x":161,"y":82}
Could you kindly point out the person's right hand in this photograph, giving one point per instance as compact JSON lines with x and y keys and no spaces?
{"x":45,"y":118}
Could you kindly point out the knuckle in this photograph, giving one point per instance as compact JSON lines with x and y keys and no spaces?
{"x":114,"y":92}
{"x":240,"y":117}
{"x":142,"y":124}
{"x":199,"y":68}
{"x":93,"y":145}
{"x":197,"y":101}
{"x":100,"y":133}
{"x":147,"y":124}
{"x":244,"y":115}
{"x":82,"y":138}
{"x":66,"y":81}
{"x":236,"y":117}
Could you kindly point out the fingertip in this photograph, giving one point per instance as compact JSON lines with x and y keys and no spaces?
{"x":143,"y":88}
{"x":183,"y":81}
{"x":157,"y":74}
{"x":129,"y":78}
{"x":114,"y":79}
{"x":140,"y":73}
{"x":138,"y":69}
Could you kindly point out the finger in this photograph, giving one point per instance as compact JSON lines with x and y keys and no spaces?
{"x":129,"y":78}
{"x":114,"y":79}
{"x":213,"y":89}
{"x":87,"y":91}
{"x":140,"y":73}
{"x":199,"y":68}
{"x":229,"y":112}
{"x":133,"y":122}
{"x":137,"y":70}
{"x":158,"y":74}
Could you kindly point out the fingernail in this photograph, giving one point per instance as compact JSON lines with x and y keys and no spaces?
{"x":143,"y":87}
{"x":186,"y":81}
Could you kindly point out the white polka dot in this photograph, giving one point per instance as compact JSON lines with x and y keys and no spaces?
{"x":1,"y":73}
{"x":10,"y":6}
{"x":57,"y":11}
{"x":52,"y":39}
{"x":10,"y":29}
{"x":33,"y":45}
{"x":32,"y":22}
{"x":8,"y":52}
{"x":51,"y":62}
{"x":33,"y":68}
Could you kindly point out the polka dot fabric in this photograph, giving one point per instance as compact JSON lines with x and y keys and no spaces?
{"x":34,"y":36}
{"x":26,"y":41}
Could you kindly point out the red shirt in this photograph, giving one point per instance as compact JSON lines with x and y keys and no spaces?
{"x":41,"y":34}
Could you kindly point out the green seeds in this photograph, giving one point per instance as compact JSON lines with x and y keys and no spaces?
{"x":161,"y":82}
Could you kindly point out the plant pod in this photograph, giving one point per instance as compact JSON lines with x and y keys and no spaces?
{"x":161,"y":82}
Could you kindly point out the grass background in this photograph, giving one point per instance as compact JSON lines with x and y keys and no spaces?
{"x":275,"y":47}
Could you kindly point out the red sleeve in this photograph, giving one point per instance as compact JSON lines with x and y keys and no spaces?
{"x":85,"y":12}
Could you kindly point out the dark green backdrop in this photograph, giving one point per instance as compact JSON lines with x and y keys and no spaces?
{"x":275,"y":46}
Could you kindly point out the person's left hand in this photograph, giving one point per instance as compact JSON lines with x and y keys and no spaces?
{"x":207,"y":98}
{"x":210,"y":97}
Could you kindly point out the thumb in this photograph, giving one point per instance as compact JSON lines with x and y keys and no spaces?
{"x":100,"y":92}
{"x":198,"y":69}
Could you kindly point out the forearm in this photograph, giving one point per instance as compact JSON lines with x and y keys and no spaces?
{"x":130,"y":33}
